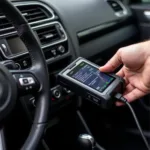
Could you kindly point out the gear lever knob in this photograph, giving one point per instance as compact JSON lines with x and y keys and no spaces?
{"x":86,"y":142}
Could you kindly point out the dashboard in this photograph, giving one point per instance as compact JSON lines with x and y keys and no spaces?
{"x":66,"y":30}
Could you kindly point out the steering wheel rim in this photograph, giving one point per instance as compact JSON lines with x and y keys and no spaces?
{"x":38,"y":71}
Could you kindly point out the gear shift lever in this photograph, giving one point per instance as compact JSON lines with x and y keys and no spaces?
{"x":86,"y":142}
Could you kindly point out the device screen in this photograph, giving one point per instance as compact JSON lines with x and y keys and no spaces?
{"x":91,"y":76}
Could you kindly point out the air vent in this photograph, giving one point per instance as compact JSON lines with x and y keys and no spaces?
{"x":5,"y":25}
{"x":115,"y":6}
{"x":118,"y":8}
{"x":50,"y":34}
{"x":34,"y":13}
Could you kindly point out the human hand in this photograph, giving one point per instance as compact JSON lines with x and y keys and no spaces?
{"x":135,"y":70}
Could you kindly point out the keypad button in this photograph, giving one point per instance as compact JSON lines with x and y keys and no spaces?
{"x":25,"y":81}
{"x":54,"y":52}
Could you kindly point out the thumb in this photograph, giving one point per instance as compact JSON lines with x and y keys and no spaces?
{"x":113,"y":63}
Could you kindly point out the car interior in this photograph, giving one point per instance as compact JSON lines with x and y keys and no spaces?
{"x":38,"y":39}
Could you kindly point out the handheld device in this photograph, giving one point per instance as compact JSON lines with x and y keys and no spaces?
{"x":84,"y":78}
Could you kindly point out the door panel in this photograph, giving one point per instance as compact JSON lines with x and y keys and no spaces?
{"x":142,"y":15}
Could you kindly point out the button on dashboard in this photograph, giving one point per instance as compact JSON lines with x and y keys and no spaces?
{"x":56,"y":93}
{"x":24,"y":63}
{"x":54,"y":52}
{"x":61,"y":49}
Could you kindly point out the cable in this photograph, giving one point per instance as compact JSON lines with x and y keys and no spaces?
{"x":119,"y":97}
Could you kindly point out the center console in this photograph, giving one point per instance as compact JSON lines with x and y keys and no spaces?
{"x":54,"y":43}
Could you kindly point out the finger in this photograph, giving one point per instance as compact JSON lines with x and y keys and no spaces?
{"x":119,"y":104}
{"x":126,"y":81}
{"x":134,"y":95}
{"x":129,"y":88}
{"x":112,"y":64}
{"x":120,"y":73}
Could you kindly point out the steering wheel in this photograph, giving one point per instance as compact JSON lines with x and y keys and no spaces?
{"x":12,"y":81}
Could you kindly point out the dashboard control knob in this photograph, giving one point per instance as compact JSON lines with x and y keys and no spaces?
{"x":18,"y":66}
{"x":56,"y":93}
{"x":61,"y":49}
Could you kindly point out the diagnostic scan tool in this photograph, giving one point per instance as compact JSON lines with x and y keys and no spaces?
{"x":84,"y":78}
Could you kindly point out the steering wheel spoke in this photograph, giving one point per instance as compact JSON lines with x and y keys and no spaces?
{"x":26,"y":80}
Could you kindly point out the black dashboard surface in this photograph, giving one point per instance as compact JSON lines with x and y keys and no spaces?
{"x":81,"y":15}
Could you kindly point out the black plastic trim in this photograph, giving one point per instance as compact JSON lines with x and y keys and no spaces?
{"x":100,"y":30}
